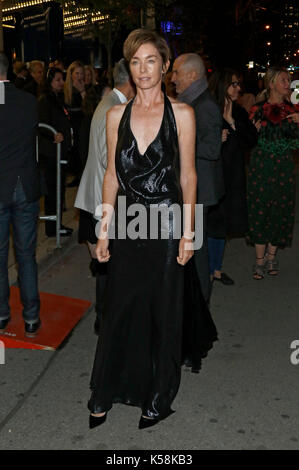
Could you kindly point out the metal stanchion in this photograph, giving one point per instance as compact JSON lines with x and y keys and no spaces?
{"x":59,"y":162}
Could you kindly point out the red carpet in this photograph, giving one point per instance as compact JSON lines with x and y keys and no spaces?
{"x":59,"y":315}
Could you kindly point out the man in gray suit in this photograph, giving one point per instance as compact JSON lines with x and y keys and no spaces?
{"x":189,"y":77}
{"x":89,"y":195}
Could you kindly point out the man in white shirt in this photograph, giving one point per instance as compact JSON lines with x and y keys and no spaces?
{"x":89,"y":195}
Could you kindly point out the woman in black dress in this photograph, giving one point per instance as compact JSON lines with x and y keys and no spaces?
{"x":74,"y":94}
{"x":151,"y":145}
{"x":230,"y":217}
{"x":52,"y":111}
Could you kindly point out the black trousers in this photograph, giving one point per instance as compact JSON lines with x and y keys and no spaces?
{"x":86,"y":233}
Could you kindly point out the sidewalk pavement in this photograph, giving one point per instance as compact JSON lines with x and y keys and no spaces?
{"x":245,"y":397}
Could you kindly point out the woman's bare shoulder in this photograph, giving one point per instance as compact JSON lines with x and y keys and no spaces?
{"x":113,"y":117}
{"x":116,"y":112}
{"x":181,"y":111}
{"x":178,"y":105}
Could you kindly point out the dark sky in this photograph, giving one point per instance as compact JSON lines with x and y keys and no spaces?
{"x":211,"y":26}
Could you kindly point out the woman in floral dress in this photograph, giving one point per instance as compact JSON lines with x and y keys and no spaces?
{"x":271,"y":180}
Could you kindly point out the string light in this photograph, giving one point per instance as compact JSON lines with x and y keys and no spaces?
{"x":75,"y":23}
{"x":99,"y":18}
{"x":25,"y":5}
{"x":71,"y":18}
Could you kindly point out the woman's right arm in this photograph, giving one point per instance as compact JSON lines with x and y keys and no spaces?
{"x":110,"y":183}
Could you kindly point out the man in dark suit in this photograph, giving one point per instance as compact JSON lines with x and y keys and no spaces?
{"x":19,"y":197}
{"x":189,"y":77}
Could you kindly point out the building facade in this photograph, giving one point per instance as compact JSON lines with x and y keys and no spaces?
{"x":289,"y":32}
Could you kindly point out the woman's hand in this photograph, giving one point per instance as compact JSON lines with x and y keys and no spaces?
{"x":228,"y":109}
{"x":258,"y":124}
{"x":58,"y":138}
{"x":184,"y":254}
{"x":102,"y":251}
{"x":225,"y":133}
{"x":294,"y":117}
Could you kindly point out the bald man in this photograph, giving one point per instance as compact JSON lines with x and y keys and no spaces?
{"x":189,"y":77}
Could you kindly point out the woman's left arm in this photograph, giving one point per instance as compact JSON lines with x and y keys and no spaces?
{"x":188,"y":177}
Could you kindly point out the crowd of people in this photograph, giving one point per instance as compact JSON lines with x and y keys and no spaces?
{"x":161,"y":138}
{"x":66,"y":101}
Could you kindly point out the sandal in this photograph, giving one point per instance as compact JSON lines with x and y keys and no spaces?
{"x":271,"y":264}
{"x":259,"y":270}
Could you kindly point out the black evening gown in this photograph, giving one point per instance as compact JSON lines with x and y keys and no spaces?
{"x":142,"y":345}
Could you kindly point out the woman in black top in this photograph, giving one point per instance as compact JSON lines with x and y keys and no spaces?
{"x":74,"y":94}
{"x":52,"y":111}
{"x":229,"y":217}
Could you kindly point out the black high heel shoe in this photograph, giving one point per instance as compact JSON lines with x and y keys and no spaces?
{"x":148,"y":422}
{"x":95,"y":421}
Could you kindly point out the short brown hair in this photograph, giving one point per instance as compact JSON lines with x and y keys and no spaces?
{"x":138,"y":37}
